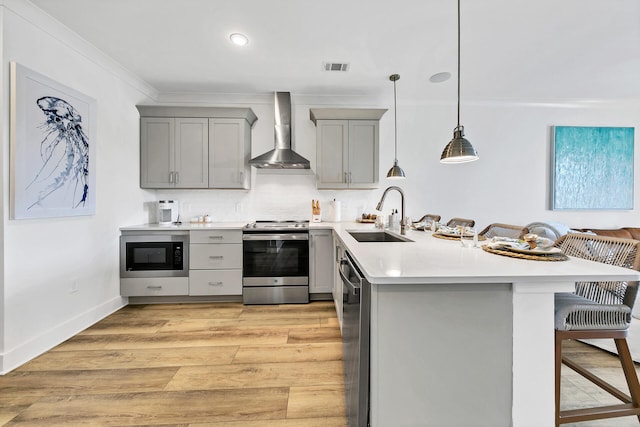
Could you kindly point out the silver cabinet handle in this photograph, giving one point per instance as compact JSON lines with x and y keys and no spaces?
{"x":154,"y":287}
{"x":350,"y":180}
{"x":216,"y":257}
{"x":177,"y":177}
{"x":216,"y":283}
{"x":241,"y":177}
{"x":346,"y":179}
{"x":216,"y":237}
{"x":170,"y":177}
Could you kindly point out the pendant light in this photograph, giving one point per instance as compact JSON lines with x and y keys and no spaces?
{"x":459,"y":149}
{"x":396,"y":171}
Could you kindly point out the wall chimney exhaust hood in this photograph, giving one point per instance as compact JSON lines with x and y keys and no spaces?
{"x":282,"y":156}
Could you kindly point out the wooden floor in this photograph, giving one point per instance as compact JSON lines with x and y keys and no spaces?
{"x":188,"y":365}
{"x":213,"y":365}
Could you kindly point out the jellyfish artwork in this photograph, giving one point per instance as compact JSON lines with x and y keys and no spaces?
{"x":64,"y":152}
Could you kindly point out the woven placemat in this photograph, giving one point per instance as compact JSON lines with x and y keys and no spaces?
{"x":447,"y":237}
{"x":550,"y":257}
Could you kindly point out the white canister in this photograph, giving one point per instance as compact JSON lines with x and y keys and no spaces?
{"x":167,"y":212}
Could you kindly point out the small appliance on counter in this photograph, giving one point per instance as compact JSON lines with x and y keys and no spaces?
{"x":167,"y":212}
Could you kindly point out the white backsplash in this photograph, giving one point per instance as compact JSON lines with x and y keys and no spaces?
{"x":279,"y":195}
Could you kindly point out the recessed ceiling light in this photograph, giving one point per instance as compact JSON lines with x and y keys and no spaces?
{"x":440,"y":77}
{"x":239,"y":39}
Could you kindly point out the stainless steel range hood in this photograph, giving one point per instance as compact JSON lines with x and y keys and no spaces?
{"x":282,"y":156}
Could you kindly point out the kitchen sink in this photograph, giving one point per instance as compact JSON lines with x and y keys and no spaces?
{"x":377,"y":236}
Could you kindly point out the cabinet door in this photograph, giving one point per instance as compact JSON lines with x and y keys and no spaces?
{"x":332,"y":153}
{"x":215,"y":282}
{"x":363,"y":154}
{"x":322,"y":264}
{"x":337,"y":282}
{"x":210,"y":257}
{"x":156,"y":152}
{"x":191,"y":153}
{"x":215,"y":236}
{"x":229,"y":153}
{"x":156,"y":286}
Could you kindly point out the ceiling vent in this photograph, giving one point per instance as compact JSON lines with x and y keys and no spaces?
{"x":336,"y":66}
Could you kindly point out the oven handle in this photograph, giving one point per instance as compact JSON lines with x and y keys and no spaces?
{"x":260,"y":236}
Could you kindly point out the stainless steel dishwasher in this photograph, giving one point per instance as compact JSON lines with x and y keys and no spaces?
{"x":355,"y":342}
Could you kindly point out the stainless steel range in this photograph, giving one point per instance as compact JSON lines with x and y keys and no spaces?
{"x":275,"y":262}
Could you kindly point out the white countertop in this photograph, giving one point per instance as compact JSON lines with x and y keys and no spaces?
{"x":429,"y":260}
{"x":186,"y":226}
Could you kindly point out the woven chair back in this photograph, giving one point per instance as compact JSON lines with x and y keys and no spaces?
{"x":607,"y":250}
{"x":504,"y":230}
{"x":430,"y":218}
{"x":454,"y":222}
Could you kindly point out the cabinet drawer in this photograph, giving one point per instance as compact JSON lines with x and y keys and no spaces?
{"x":157,"y":286}
{"x":207,"y":257}
{"x":215,"y":236}
{"x":215,"y":282}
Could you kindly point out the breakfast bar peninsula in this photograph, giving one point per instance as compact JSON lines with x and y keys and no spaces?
{"x":460,"y":336}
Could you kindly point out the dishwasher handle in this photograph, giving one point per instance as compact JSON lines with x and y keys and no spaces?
{"x":351,"y":287}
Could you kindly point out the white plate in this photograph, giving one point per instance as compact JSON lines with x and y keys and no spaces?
{"x":536,"y":251}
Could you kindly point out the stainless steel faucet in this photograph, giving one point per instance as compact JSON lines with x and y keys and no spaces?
{"x":403,"y":225}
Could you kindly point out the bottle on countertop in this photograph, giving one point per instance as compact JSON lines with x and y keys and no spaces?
{"x":393,"y":220}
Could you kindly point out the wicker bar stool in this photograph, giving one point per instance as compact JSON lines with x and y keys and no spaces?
{"x":454,"y":222}
{"x":598,"y":310}
{"x":504,"y":230}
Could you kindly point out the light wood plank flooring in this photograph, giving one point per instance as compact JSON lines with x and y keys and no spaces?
{"x":219,"y":364}
{"x":189,"y":365}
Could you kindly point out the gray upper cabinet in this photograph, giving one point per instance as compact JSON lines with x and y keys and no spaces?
{"x":173,"y":152}
{"x":194,"y":147}
{"x":347,"y":144}
{"x":229,"y":153}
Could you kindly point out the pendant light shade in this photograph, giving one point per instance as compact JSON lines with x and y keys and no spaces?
{"x":459,"y":149}
{"x":395,"y":171}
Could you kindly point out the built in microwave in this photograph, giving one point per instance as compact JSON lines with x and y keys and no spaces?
{"x":150,"y":254}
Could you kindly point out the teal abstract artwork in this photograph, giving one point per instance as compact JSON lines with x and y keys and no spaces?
{"x":592,"y":167}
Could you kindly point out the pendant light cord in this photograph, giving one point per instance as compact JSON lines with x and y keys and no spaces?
{"x":395,"y":123}
{"x":458,"y":65}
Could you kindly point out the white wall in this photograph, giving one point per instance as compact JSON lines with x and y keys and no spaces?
{"x":44,"y":258}
{"x":510,"y":183}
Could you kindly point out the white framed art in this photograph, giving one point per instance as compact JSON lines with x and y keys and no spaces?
{"x":53,"y":146}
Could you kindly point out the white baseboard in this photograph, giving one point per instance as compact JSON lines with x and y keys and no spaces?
{"x":13,"y":358}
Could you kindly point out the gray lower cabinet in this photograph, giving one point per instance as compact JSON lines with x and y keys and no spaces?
{"x":154,"y":287}
{"x":193,"y":147}
{"x":321,"y":264}
{"x":338,"y":290}
{"x":215,"y":262}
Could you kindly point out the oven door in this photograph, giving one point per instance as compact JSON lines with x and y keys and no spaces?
{"x":275,"y":259}
{"x":154,"y":255}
